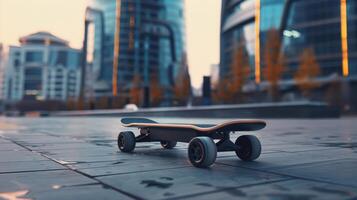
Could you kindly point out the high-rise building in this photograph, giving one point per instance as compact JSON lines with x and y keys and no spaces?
{"x":237,"y":26}
{"x":43,"y":67}
{"x":206,"y":91}
{"x":2,"y":61}
{"x":128,"y":37}
{"x":327,"y":27}
{"x":319,"y":24}
{"x":214,"y":74}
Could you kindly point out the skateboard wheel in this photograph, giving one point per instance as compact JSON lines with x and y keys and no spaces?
{"x":168,"y":144}
{"x":126,"y":141}
{"x":202,"y":152}
{"x":249,"y":147}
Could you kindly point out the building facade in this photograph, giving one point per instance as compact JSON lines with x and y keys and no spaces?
{"x":43,"y":67}
{"x":128,"y":37}
{"x":214,"y":74}
{"x":326,"y":26}
{"x":2,"y":65}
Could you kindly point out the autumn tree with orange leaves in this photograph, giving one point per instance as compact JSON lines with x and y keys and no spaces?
{"x":222,"y":91}
{"x":229,"y":89}
{"x":71,"y":104}
{"x":102,"y":103}
{"x":182,"y":88}
{"x":240,"y":70}
{"x":136,"y":90}
{"x":118,"y":101}
{"x":156,"y":91}
{"x":273,"y":62}
{"x":308,"y":70}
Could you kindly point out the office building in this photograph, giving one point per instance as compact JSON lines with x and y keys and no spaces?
{"x":128,"y":37}
{"x":302,"y":24}
{"x":2,"y":65}
{"x":328,"y":27}
{"x":43,"y":67}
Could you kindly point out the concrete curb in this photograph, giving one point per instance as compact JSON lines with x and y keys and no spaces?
{"x":259,"y":110}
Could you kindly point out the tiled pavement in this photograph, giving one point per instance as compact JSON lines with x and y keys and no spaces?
{"x":77,"y":158}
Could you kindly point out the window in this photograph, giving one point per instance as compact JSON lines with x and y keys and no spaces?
{"x":58,"y":58}
{"x":33,"y":72}
{"x":34,"y":56}
{"x":16,"y":63}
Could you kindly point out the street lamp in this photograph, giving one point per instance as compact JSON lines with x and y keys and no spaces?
{"x":292,"y":33}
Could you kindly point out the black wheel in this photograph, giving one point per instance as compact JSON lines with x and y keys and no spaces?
{"x":126,"y":141}
{"x":168,"y":144}
{"x":202,"y":151}
{"x":249,"y":147}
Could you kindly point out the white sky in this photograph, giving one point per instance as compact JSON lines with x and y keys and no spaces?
{"x":65,"y":19}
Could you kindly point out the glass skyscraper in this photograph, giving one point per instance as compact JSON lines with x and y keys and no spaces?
{"x":302,"y":24}
{"x":148,"y":38}
{"x":237,"y":26}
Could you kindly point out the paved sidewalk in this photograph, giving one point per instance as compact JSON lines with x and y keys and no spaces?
{"x":77,"y":158}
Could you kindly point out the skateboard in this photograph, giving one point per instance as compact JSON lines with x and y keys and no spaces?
{"x":202,"y":149}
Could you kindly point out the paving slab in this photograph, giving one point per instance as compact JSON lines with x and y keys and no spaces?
{"x":11,"y":147}
{"x":97,"y":154}
{"x":3,"y":141}
{"x":78,"y":158}
{"x":292,"y":148}
{"x":43,"y":140}
{"x":41,"y":181}
{"x":283,"y":159}
{"x":186,"y":181}
{"x":88,"y":192}
{"x":28,"y":166}
{"x":12,"y":156}
{"x":74,"y":146}
{"x":288,"y":189}
{"x":126,"y":166}
{"x":342,"y":172}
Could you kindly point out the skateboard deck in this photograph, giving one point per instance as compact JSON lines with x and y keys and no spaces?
{"x":231,"y":126}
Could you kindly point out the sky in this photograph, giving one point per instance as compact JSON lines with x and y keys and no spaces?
{"x":65,"y":19}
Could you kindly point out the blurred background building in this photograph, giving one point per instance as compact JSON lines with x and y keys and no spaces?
{"x":43,"y":67}
{"x":134,"y":37}
{"x":327,"y":28}
{"x":2,"y":66}
{"x":214,"y":74}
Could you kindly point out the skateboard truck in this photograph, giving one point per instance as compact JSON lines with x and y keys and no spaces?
{"x":225,"y":144}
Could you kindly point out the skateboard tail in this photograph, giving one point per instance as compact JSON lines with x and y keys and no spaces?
{"x":129,"y":120}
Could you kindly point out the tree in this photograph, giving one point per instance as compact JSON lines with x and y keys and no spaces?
{"x":182,"y":87}
{"x":308,"y":70}
{"x":273,"y":62}
{"x":71,"y":104}
{"x":222,"y":91}
{"x":333,"y":95}
{"x":81,"y":104}
{"x":239,"y":72}
{"x":229,"y":89}
{"x":102,"y":103}
{"x":136,"y":90}
{"x":118,"y":101}
{"x":156,"y":91}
